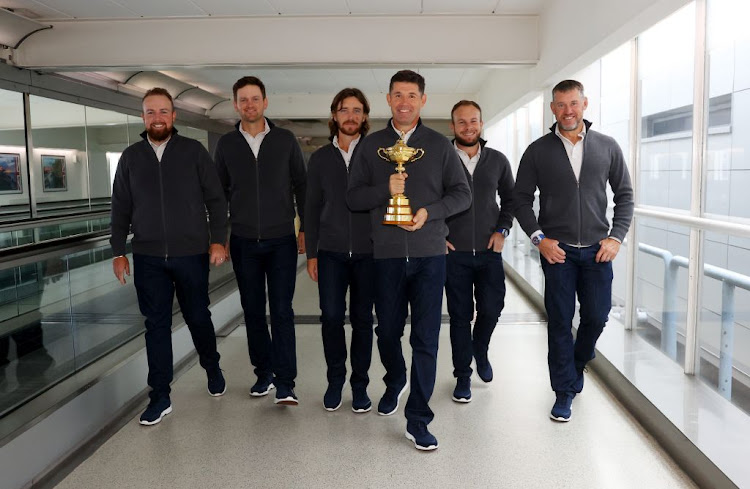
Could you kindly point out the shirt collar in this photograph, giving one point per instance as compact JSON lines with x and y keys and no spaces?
{"x":475,"y":157}
{"x":581,"y":134}
{"x":351,"y":145}
{"x":266,"y":129}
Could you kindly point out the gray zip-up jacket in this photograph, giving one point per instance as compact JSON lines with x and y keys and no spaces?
{"x":329,"y":224}
{"x":572,"y":211}
{"x":471,"y":229}
{"x":165,"y":202}
{"x":436,"y":182}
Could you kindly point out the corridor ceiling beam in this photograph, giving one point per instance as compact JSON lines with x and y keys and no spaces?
{"x":339,"y":40}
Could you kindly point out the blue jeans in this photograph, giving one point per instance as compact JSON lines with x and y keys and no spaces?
{"x":156,"y":281}
{"x":336,"y":273}
{"x":275,"y":261}
{"x":579,"y":274}
{"x":417,"y":283}
{"x":473,"y":275}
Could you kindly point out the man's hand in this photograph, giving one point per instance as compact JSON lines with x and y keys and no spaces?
{"x":551,"y":251}
{"x":449,"y":247}
{"x":312,"y":268}
{"x":217,"y":254}
{"x":608,"y":250}
{"x":121,"y":267}
{"x":419,"y":219}
{"x":301,"y":243}
{"x":397,"y":183}
{"x":497,"y":242}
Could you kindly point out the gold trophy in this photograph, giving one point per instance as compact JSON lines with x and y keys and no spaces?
{"x":399,"y":211}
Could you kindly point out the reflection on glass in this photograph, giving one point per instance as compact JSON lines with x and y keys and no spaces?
{"x":193,"y":133}
{"x":724,"y":334}
{"x":60,"y":161}
{"x":14,"y":189}
{"x":666,"y":67}
{"x":106,"y":132}
{"x":662,"y":285}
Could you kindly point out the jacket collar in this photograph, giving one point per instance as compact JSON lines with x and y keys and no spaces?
{"x":389,"y":125}
{"x":588,"y":124}
{"x":271,"y":125}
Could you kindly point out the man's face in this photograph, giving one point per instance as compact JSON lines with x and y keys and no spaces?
{"x":467,"y":125}
{"x":568,"y":109}
{"x":158,"y":116}
{"x":350,"y":116}
{"x":405,"y":102}
{"x":250,"y":103}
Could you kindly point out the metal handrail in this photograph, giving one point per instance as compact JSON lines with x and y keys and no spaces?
{"x":730,"y":281}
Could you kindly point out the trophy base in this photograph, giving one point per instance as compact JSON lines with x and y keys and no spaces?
{"x":398,"y":212}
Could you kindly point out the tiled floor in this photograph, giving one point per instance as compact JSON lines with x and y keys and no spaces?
{"x":503,"y":438}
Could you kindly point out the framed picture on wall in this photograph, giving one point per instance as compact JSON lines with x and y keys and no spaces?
{"x":53,"y":173}
{"x":10,"y":173}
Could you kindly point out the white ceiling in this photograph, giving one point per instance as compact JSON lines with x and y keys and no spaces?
{"x":296,"y":90}
{"x":52,"y":10}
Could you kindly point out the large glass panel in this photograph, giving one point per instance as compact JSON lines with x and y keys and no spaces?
{"x":662,"y":285}
{"x":666,"y":66}
{"x":106,"y":138}
{"x":14,"y":185}
{"x":60,"y":162}
{"x":193,"y":133}
{"x":724,"y":335}
{"x":36,"y":345}
{"x":728,"y":164}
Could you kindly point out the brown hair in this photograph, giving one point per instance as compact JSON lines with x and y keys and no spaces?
{"x":470,"y":103}
{"x":408,"y":76}
{"x":245,"y":81}
{"x":159,"y":91}
{"x":336,"y":104}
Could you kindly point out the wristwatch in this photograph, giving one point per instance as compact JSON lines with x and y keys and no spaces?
{"x":504,"y":232}
{"x":537,"y":239}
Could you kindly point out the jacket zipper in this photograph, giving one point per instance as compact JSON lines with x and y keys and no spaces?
{"x":163,"y":212}
{"x":473,"y":216}
{"x":350,"y":212}
{"x":257,"y":190}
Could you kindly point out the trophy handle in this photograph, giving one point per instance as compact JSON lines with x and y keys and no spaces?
{"x":419,"y":152}
{"x":384,"y":154}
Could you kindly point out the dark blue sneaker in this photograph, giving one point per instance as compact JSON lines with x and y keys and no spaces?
{"x":285,"y":396}
{"x":360,"y":400}
{"x":217,"y":386}
{"x":262,"y":387}
{"x":562,"y":410}
{"x":155,"y":411}
{"x":389,"y":402}
{"x":462,"y":392}
{"x":332,"y":397}
{"x":417,"y":432}
{"x":484,"y":369}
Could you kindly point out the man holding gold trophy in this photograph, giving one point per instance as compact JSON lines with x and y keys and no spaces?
{"x":409,"y":247}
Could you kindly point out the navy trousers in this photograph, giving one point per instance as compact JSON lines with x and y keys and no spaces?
{"x":156,"y":281}
{"x":338,"y":272}
{"x":418,"y":283}
{"x":473,"y":275}
{"x":272,"y":261}
{"x":592,"y":282}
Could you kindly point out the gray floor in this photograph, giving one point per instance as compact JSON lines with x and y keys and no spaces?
{"x":501,"y":439}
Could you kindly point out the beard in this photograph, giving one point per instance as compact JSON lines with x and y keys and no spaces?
{"x":159,"y":135}
{"x":350,"y":130}
{"x":466,"y":142}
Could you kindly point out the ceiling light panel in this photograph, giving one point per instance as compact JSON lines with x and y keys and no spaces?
{"x":465,"y":7}
{"x":163,"y":8}
{"x":307,"y":7}
{"x":385,"y":7}
{"x":236,"y":7}
{"x":86,"y":9}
